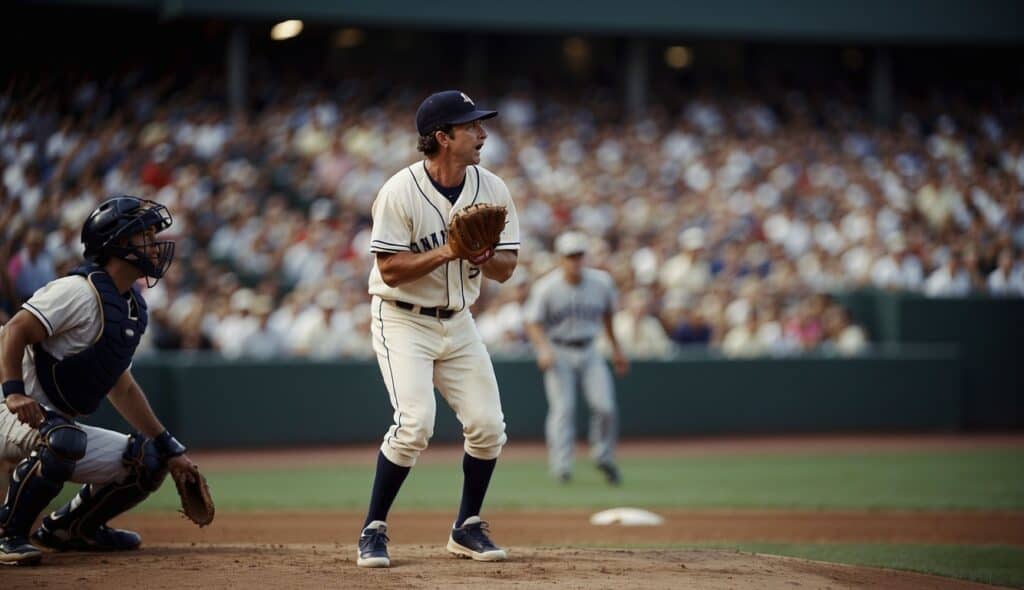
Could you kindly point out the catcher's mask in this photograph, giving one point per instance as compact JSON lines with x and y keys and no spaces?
{"x":106,"y":234}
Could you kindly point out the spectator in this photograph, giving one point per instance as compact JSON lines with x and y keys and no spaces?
{"x":1007,"y":279}
{"x":688,"y":327}
{"x":234,"y":330}
{"x":841,"y":334}
{"x":742,"y":340}
{"x":949,"y":280}
{"x":720,"y":207}
{"x":688,"y":270}
{"x":321,"y":331}
{"x":639,"y":333}
{"x":31,"y":267}
{"x":263,"y":343}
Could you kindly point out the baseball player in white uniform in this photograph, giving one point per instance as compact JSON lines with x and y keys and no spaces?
{"x":68,"y":348}
{"x":565,"y":311}
{"x":423,"y":332}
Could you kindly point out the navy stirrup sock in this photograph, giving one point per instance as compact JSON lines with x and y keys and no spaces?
{"x":477,"y":476}
{"x":386,"y":484}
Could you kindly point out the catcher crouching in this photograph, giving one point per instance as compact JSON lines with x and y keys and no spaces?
{"x":69,"y":347}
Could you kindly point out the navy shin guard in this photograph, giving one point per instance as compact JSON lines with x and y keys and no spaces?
{"x":38,"y":479}
{"x":94,"y":505}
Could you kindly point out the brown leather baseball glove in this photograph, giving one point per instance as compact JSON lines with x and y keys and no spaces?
{"x":476,"y":229}
{"x":196,"y":501}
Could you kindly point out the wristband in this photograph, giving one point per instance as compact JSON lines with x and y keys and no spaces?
{"x":13,"y":386}
{"x":168,"y":446}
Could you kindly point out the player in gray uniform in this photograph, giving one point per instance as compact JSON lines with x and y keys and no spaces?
{"x":564,"y":312}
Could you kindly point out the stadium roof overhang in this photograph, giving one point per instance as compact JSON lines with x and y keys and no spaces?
{"x":900,"y":21}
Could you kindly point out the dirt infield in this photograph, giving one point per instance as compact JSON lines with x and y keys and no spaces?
{"x":547,"y":549}
{"x":419,"y":566}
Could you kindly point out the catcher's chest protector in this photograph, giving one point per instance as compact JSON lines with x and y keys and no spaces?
{"x":78,"y":383}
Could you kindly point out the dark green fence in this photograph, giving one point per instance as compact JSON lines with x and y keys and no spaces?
{"x":965,"y":373}
{"x":985,"y":330}
{"x":213,"y":403}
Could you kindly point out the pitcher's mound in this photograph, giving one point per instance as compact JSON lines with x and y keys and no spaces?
{"x":421,"y":566}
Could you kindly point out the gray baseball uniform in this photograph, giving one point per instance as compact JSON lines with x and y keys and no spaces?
{"x":571,"y":317}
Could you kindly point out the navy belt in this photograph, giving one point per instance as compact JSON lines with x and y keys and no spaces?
{"x":434,"y":312}
{"x":581,"y":343}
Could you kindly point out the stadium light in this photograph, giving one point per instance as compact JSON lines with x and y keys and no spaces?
{"x":286,"y":30}
{"x":349,"y":37}
{"x":576,"y":49}
{"x":678,"y":57}
{"x":577,"y":54}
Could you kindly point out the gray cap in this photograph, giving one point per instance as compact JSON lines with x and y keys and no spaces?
{"x":571,"y":243}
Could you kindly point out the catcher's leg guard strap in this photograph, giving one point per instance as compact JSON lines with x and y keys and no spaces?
{"x":94,"y":505}
{"x":39,"y":477}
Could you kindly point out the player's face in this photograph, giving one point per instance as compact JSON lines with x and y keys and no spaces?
{"x":145,"y":241}
{"x":572,"y":265}
{"x":467,"y":141}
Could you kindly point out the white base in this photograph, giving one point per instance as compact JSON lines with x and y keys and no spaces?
{"x":626,"y":517}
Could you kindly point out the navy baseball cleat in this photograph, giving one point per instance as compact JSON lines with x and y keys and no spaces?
{"x":611,"y":473}
{"x":471,"y":540}
{"x":18,"y":551}
{"x":104,"y":539}
{"x":373,"y":546}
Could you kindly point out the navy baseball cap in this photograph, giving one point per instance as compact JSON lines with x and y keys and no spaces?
{"x":449,"y":107}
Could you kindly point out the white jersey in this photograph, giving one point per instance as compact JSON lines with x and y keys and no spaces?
{"x":572,"y":313}
{"x":69,"y":309}
{"x":410,"y":215}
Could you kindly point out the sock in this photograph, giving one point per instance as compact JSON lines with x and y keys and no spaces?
{"x":476,"y":477}
{"x":386,"y":484}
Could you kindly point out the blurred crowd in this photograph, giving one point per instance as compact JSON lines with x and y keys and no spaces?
{"x":726,"y":219}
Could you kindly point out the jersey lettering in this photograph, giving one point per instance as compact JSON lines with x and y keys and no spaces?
{"x":576,"y":311}
{"x":429,"y":242}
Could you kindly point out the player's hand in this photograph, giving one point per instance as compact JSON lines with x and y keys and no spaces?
{"x":620,"y":363}
{"x":448,"y":253}
{"x":483,"y":258}
{"x":183,"y":467}
{"x":545,"y":359}
{"x":27,"y":409}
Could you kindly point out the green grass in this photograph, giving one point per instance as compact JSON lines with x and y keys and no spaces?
{"x":989,"y":564}
{"x":963,"y":480}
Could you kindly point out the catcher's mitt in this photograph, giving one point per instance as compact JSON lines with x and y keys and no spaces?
{"x":476,"y":229}
{"x":196,"y":502}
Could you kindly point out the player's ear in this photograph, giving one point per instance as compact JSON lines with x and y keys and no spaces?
{"x":441,"y":137}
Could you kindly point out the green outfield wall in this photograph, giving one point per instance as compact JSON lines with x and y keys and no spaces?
{"x":986,"y":331}
{"x":214,"y":403}
{"x":935,"y":365}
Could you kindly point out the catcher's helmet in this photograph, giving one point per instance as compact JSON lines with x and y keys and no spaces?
{"x":122,"y":217}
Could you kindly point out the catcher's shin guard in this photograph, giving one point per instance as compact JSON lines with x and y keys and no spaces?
{"x":81,"y":523}
{"x":39,"y":477}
